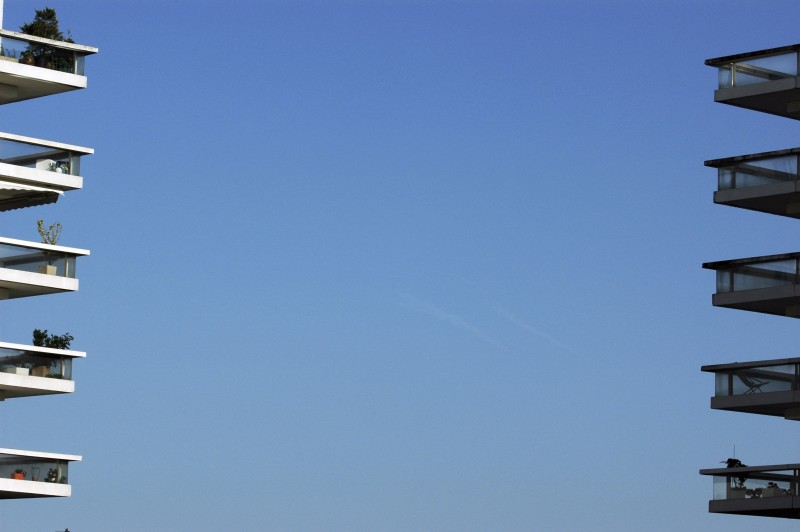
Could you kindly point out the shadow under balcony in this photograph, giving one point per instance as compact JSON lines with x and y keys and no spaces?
{"x":31,"y":67}
{"x":27,"y":370}
{"x":32,"y":269}
{"x":764,"y":80}
{"x":766,"y":182}
{"x":37,"y":172}
{"x":768,"y":491}
{"x":767,"y":387}
{"x":28,"y":474}
{"x":768,"y":284}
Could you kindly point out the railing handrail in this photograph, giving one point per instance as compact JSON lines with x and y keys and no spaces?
{"x":85,"y":50}
{"x":726,"y":264}
{"x":733,"y":366}
{"x":43,"y":350}
{"x":717,"y":62}
{"x":38,"y":454}
{"x":45,"y":143}
{"x":44,"y":247}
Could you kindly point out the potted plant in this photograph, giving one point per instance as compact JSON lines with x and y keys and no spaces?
{"x":736,"y":487}
{"x":27,"y":58}
{"x":19,"y":474}
{"x":49,"y":236}
{"x":52,"y":475}
{"x":45,"y":24}
{"x":59,"y":167}
{"x":41,"y":338}
{"x":772,"y":490}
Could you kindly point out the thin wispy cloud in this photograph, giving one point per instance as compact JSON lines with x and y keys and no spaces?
{"x":533,"y":330}
{"x":457,"y":321}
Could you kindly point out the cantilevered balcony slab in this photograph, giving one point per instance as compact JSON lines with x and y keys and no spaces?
{"x":32,"y":269}
{"x":27,"y":370}
{"x":765,"y":80}
{"x":768,"y":387}
{"x":36,"y":172}
{"x":768,"y":284}
{"x":766,"y":182}
{"x":29,"y":474}
{"x":32,"y":67}
{"x":769,"y":491}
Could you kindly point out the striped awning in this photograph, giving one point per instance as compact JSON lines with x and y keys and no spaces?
{"x":18,"y":196}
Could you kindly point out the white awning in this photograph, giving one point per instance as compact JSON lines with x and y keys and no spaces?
{"x":17,"y":196}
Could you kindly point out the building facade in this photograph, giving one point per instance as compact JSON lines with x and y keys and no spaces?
{"x":766,"y":81}
{"x":35,"y":172}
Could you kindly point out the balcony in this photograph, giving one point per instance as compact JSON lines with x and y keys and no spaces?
{"x":770,"y":491}
{"x":32,"y":269}
{"x":31,"y":67}
{"x":27,"y":370}
{"x":766,"y":182}
{"x":36,"y":172}
{"x":768,"y":387}
{"x":27,"y":474}
{"x":766,"y":80}
{"x":768,"y":284}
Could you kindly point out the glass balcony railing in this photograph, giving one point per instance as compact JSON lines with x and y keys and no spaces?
{"x":41,"y":155}
{"x":752,"y":171}
{"x":37,"y":260}
{"x":25,"y":362}
{"x":752,"y":274}
{"x":757,"y":69}
{"x":44,"y":53}
{"x":33,"y":469}
{"x":742,"y":379}
{"x":760,"y":484}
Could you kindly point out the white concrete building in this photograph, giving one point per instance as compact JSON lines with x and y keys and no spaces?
{"x":36,"y":172}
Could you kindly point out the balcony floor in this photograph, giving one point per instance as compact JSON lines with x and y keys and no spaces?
{"x":781,"y":97}
{"x":787,"y":507}
{"x":769,"y":403}
{"x":780,"y":301}
{"x":782,"y":199}
{"x":20,"y":82}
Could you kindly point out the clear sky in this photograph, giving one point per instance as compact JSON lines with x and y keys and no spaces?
{"x":399,"y":266}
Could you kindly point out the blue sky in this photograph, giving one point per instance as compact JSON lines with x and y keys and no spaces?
{"x":399,"y":265}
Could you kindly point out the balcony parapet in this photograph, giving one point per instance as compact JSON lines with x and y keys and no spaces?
{"x":27,"y":474}
{"x":36,"y":171}
{"x":764,"y":80}
{"x":766,"y":182}
{"x":768,"y":387}
{"x":27,"y":370}
{"x":31,"y":268}
{"x":770,"y":491}
{"x":31,"y":66}
{"x":768,"y":284}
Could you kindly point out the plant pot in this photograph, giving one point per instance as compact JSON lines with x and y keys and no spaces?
{"x":40,"y":371}
{"x":737,"y":493}
{"x":28,"y":60}
{"x":17,"y":476}
{"x":44,"y":61}
{"x":16,"y":371}
{"x":772,"y":492}
{"x":47,"y":269}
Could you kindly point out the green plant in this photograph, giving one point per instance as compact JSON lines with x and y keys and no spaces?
{"x":49,"y":235}
{"x":735,"y":462}
{"x":45,"y":24}
{"x":53,"y":341}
